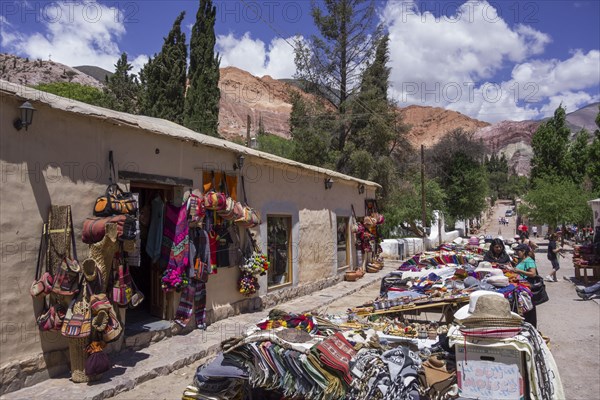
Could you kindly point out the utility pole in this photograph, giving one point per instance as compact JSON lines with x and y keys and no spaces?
{"x":423,"y":213}
{"x":248,"y":124}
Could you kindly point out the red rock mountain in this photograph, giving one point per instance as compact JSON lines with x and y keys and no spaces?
{"x":265,"y":98}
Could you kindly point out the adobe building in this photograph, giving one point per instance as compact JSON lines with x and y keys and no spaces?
{"x":62,"y":159}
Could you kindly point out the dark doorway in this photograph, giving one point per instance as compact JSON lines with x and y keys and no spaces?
{"x":148,"y":275}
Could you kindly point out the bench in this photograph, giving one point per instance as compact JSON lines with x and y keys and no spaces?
{"x":593,"y":269}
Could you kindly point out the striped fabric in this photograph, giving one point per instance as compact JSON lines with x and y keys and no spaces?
{"x":175,"y":242}
{"x":193,"y":296}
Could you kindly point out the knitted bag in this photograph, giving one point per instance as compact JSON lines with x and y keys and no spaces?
{"x":215,"y":201}
{"x":250,"y":219}
{"x":78,"y":320}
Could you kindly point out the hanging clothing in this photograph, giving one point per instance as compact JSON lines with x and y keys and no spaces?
{"x":155,"y":233}
{"x":175,"y":247}
{"x":193,"y":298}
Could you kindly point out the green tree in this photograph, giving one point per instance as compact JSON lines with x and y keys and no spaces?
{"x":122,"y":87}
{"x":163,"y":78}
{"x":556,"y":201}
{"x":457,"y":160}
{"x":201,"y":110}
{"x":549,"y":144}
{"x":311,"y":135}
{"x":593,"y":166}
{"x":275,"y":145}
{"x":404,"y":207}
{"x":75,"y":91}
{"x":576,"y":159}
{"x":332,"y":61}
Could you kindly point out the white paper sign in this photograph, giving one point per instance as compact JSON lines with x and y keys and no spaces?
{"x":489,"y":380}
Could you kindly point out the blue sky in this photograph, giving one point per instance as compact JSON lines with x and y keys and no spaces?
{"x":497,"y":60}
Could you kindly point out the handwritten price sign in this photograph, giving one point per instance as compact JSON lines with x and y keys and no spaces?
{"x":479,"y":379}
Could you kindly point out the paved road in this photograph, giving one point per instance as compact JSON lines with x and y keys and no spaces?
{"x":572,"y":325}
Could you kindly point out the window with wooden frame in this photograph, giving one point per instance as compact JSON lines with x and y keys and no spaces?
{"x":279,"y":250}
{"x":342,"y":241}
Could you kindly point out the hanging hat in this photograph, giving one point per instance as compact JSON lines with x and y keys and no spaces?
{"x":490,"y":310}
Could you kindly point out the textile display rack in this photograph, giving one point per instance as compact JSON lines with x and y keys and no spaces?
{"x":445,"y":307}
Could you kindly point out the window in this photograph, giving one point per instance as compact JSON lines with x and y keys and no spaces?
{"x":279,"y":233}
{"x":342,"y":242}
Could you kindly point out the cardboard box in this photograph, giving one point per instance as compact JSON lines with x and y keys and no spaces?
{"x":490,"y":373}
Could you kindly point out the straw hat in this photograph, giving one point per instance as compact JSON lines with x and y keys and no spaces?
{"x":488,"y":309}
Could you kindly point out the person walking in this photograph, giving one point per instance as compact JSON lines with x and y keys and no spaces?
{"x":553,"y":252}
{"x":526,"y":267}
{"x":534,"y":231}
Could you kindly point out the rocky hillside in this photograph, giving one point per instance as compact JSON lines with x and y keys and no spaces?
{"x":513,"y":138}
{"x":265,"y":98}
{"x":33,"y":72}
{"x":430,"y":124}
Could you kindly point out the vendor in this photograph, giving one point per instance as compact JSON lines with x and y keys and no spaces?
{"x":497,"y":253}
{"x":526,"y":267}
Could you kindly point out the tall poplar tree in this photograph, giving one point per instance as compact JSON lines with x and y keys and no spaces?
{"x":331,"y":63}
{"x":163,"y":78}
{"x":201,"y":110}
{"x":549,"y":143}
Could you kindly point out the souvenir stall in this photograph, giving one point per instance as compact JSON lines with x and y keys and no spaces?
{"x":489,"y":352}
{"x":484,"y":349}
{"x":86,"y":301}
{"x":368,"y":241}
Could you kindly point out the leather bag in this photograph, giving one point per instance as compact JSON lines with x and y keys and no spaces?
{"x":538,"y":290}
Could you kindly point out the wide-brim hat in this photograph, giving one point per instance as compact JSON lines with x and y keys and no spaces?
{"x":490,"y":310}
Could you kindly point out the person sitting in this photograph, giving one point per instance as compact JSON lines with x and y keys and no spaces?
{"x":588,"y":292}
{"x":497,"y":253}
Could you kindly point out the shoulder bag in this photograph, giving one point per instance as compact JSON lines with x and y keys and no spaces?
{"x":66,"y":279}
{"x":538,"y":290}
{"x":42,"y":285}
{"x":78,"y":320}
{"x":115,"y":201}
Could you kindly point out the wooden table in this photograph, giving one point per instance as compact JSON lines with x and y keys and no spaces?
{"x":594,"y":269}
{"x":446,"y":307}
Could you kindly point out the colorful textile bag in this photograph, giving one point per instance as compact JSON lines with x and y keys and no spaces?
{"x":250,"y":219}
{"x":41,"y":285}
{"x":215,"y":201}
{"x":66,"y":279}
{"x":52,"y":318}
{"x":78,"y":320}
{"x":122,"y":291}
{"x":113,"y":329}
{"x":94,"y":228}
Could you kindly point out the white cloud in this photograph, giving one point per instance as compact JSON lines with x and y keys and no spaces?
{"x":572,"y":101}
{"x":551,"y":77}
{"x":253,"y":56}
{"x":74,"y":33}
{"x":451,"y":61}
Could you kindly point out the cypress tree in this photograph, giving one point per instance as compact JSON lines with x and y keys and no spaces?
{"x":163,"y":78}
{"x":201,"y":111}
{"x":122,"y":87}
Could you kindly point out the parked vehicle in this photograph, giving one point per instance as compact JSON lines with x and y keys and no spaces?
{"x":509,"y":213}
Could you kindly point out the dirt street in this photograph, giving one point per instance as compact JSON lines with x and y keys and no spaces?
{"x":573,"y":326}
